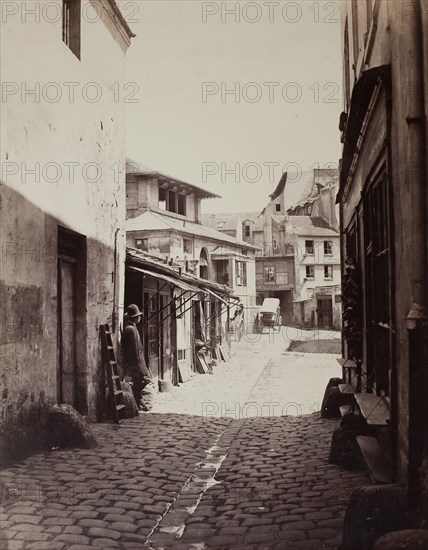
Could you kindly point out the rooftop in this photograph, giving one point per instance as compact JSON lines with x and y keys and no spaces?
{"x":304,"y":186}
{"x":306,"y":227}
{"x":155,"y":221}
{"x":138,"y":258}
{"x":169,"y":182}
{"x":228,"y":220}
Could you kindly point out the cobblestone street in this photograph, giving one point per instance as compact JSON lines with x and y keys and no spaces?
{"x":214,"y":465}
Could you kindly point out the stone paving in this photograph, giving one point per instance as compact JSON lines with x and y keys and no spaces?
{"x":194,"y":476}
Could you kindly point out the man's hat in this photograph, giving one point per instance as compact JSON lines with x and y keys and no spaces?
{"x":133,"y":311}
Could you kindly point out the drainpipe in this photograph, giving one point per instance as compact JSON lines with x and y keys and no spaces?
{"x":114,"y":312}
{"x":416,"y":320}
{"x":416,"y":134}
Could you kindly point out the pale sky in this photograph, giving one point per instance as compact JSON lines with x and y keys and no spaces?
{"x":285,"y":67}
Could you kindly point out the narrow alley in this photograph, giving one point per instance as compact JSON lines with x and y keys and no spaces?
{"x":213,"y":281}
{"x":237,"y":459}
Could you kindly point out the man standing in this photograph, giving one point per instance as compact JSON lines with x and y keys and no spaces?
{"x":133,"y":354}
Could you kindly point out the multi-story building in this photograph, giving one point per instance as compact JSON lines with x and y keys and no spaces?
{"x":316,"y":300}
{"x":300,"y":216}
{"x":164,"y":219}
{"x":383,"y":202}
{"x":62,"y":210}
{"x":164,"y":225}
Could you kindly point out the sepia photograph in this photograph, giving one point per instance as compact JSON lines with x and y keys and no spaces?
{"x":213,"y":274}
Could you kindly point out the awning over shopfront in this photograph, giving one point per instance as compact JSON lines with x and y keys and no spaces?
{"x":218,"y":297}
{"x":359,"y":110}
{"x":166,"y":278}
{"x":195,"y":292}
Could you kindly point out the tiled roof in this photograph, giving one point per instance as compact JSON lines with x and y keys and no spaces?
{"x":154,"y":221}
{"x":305,"y":227}
{"x":138,"y":169}
{"x":135,"y":257}
{"x":323,"y":177}
{"x":305,"y":185}
{"x":229,"y":220}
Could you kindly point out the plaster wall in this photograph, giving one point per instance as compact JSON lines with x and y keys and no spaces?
{"x":61,"y":166}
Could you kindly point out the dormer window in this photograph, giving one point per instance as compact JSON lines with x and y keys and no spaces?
{"x":277,"y":208}
{"x":220,"y":225}
{"x":247,"y":231}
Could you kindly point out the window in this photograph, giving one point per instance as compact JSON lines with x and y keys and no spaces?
{"x":71,"y":25}
{"x":309,"y":210}
{"x":181,"y":204}
{"x":275,"y":245}
{"x":310,"y":272}
{"x":328,"y":248}
{"x":269,"y":273}
{"x":241,"y":273}
{"x":162,"y":198}
{"x":355,"y":30}
{"x":277,"y":207}
{"x":309,"y":247}
{"x":187,"y":246}
{"x":220,"y":225}
{"x":328,"y":272}
{"x":142,"y":244}
{"x":378,"y":279}
{"x":247,"y":230}
{"x":172,"y":201}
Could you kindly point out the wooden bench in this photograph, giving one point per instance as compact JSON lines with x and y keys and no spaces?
{"x":379,"y":467}
{"x":374,"y":408}
{"x":347,"y":389}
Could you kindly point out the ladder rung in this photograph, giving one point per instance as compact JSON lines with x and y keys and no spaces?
{"x":116,"y":403}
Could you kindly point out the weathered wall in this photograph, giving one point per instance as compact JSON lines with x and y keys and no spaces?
{"x":170,"y":244}
{"x":60,"y":167}
{"x":284,"y":273}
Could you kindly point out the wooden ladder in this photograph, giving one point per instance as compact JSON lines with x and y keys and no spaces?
{"x":115,"y":402}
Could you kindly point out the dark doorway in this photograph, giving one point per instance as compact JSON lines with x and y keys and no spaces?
{"x":165,"y":307}
{"x":71,"y":327}
{"x":325,"y":312}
